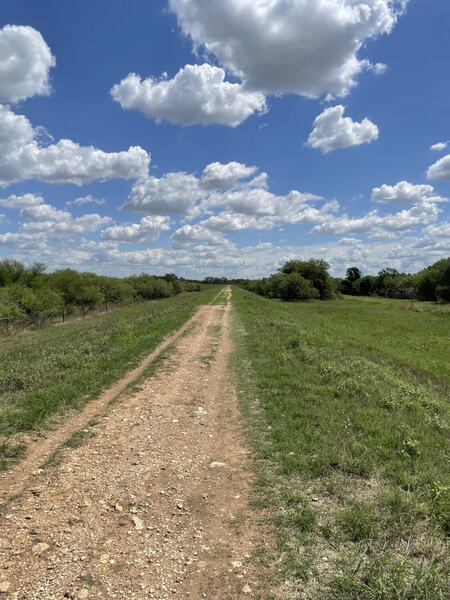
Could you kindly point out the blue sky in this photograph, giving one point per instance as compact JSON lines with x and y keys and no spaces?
{"x":221,"y":177}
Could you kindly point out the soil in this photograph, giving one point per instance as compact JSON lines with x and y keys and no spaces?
{"x":155,"y":503}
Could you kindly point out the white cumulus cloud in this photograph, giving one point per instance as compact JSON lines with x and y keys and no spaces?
{"x":308,"y":47}
{"x":198,"y":94}
{"x":89,"y":199}
{"x":23,"y":201}
{"x":437,"y":237}
{"x":180,"y":192}
{"x":439,"y":146}
{"x":420,"y":214}
{"x":333,"y":131}
{"x":261,"y":202}
{"x":15,"y":132}
{"x":25,"y":62}
{"x":44,"y":212}
{"x":64,"y":162}
{"x":147,"y":230}
{"x":23,"y":241}
{"x":440,"y":169}
{"x":194,"y":234}
{"x":218,"y":176}
{"x":404,"y":192}
{"x":46,"y":219}
{"x":172,"y":193}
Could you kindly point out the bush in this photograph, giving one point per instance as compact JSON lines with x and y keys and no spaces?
{"x":295,"y":287}
{"x":314,"y":270}
{"x":296,"y":280}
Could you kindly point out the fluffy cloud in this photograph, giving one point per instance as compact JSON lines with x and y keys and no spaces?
{"x":437,"y":237}
{"x":64,"y":162}
{"x":421,"y":214}
{"x":198,"y":94}
{"x":439,"y":146}
{"x":147,"y":230}
{"x":248,"y":207}
{"x":404,"y":192}
{"x":305,"y":46}
{"x":247,"y":204}
{"x":24,"y":241}
{"x":89,"y":199}
{"x":280,"y":212}
{"x":68,"y":162}
{"x":16,"y":132}
{"x":46,"y":219}
{"x":14,"y":201}
{"x":259,"y":202}
{"x":180,"y":192}
{"x":333,"y":131}
{"x":44,"y":212}
{"x":193,"y":234}
{"x":229,"y":221}
{"x":172,"y":193}
{"x":217,"y":176}
{"x":25,"y":62}
{"x":440,"y":169}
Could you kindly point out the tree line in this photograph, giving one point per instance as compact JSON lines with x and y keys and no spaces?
{"x":432,"y":283}
{"x":29,"y":293}
{"x":296,"y":280}
{"x":310,"y":280}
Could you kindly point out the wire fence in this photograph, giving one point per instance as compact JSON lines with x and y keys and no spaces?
{"x":10,"y":325}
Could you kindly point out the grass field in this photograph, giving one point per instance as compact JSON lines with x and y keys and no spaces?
{"x":46,"y":372}
{"x":347,"y":403}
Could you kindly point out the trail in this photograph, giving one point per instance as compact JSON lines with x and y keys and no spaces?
{"x":155,"y":505}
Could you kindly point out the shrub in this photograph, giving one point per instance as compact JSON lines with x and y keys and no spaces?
{"x":295,"y":287}
{"x":314,"y":270}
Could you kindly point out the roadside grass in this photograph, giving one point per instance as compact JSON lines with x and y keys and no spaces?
{"x":45,"y":373}
{"x":350,"y":430}
{"x":412,"y":336}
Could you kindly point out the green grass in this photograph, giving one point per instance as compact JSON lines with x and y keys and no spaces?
{"x":347,"y":406}
{"x":413,"y":336}
{"x":47,"y":372}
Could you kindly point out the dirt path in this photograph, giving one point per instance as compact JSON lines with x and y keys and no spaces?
{"x":155,"y":504}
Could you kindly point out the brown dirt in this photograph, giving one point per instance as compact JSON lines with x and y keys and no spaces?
{"x":155,"y":505}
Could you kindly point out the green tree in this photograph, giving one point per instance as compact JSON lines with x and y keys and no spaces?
{"x":443,"y":286}
{"x":364,"y":286}
{"x":352,"y":274}
{"x":11,"y":271}
{"x":293,"y":287}
{"x":314,"y":270}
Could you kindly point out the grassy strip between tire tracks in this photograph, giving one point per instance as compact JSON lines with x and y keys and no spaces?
{"x":351,"y":436}
{"x":47,"y":372}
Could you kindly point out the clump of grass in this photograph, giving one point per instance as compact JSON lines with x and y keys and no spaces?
{"x":9,"y":453}
{"x":78,"y":437}
{"x":358,"y":522}
{"x":346,"y":403}
{"x":388,"y":577}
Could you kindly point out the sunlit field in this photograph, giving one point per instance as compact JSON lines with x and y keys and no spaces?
{"x":348,"y":406}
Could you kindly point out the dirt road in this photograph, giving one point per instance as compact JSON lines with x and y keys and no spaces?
{"x":154,"y":505}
